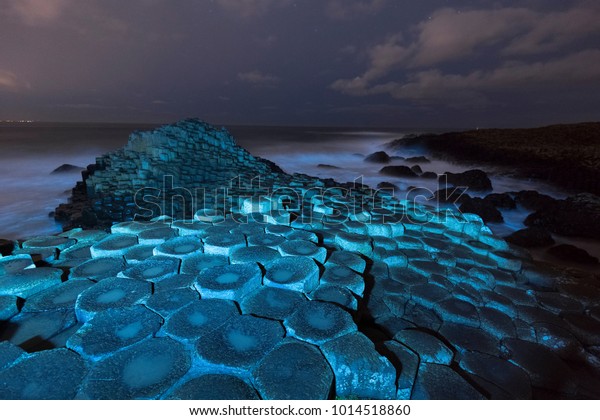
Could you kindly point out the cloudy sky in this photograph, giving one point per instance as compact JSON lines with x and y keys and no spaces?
{"x":402,"y":63}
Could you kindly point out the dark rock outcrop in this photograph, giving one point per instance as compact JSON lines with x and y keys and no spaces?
{"x":418,"y":159}
{"x":475,"y":179}
{"x":530,"y":237}
{"x":67,"y":168}
{"x":399,"y":171}
{"x":578,"y":215}
{"x":429,"y":175}
{"x":484,"y":209}
{"x":502,"y":201}
{"x":533,"y":200}
{"x":573,"y":254}
{"x":378,"y":157}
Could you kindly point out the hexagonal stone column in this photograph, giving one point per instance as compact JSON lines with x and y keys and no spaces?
{"x":213,"y":387}
{"x":98,"y":268}
{"x":199,"y":318}
{"x":342,"y":276}
{"x":304,"y":249}
{"x":114,"y":292}
{"x":223,"y":244}
{"x":271,"y":302}
{"x":113,"y":245}
{"x":8,"y":307}
{"x":294,"y":273}
{"x":182,"y":247}
{"x":317,"y":322}
{"x":354,"y":242}
{"x":294,"y":371}
{"x":348,"y":259}
{"x":256,"y":254}
{"x":45,"y":375}
{"x":228,"y":281}
{"x":26,"y":283}
{"x":240,"y":343}
{"x":15,"y":263}
{"x":360,"y":372}
{"x":194,"y":265}
{"x":114,"y":329}
{"x":153,"y":269}
{"x":143,"y":371}
{"x":60,"y":297}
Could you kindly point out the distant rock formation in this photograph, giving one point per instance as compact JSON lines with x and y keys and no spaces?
{"x":67,"y":168}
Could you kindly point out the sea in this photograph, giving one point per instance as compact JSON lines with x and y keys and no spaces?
{"x":29,"y":152}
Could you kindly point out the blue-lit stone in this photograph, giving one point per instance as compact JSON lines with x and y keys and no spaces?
{"x":294,"y":273}
{"x":153,"y":269}
{"x":9,"y":354}
{"x":429,"y":348}
{"x":182,"y":247}
{"x":199,"y":318}
{"x":194,"y":265}
{"x":294,"y":371}
{"x":98,"y":268}
{"x":317,"y":322}
{"x":114,"y":329}
{"x":271,"y":302}
{"x":143,"y":371}
{"x":8,"y":307}
{"x":348,"y":259}
{"x":342,"y":276}
{"x":360,"y":372}
{"x":114,"y":245}
{"x":240,"y":343}
{"x":439,"y":382}
{"x":229,"y":281}
{"x":26,"y":283}
{"x":213,"y":387}
{"x":45,"y":375}
{"x":114,"y":292}
{"x":62,"y":296}
{"x":15,"y":263}
{"x":256,"y":254}
{"x":167,"y":301}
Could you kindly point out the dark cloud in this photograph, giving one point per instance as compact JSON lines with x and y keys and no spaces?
{"x":364,"y":62}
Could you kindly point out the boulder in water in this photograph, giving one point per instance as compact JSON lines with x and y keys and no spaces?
{"x":474,"y":179}
{"x":572,"y":253}
{"x":399,"y":171}
{"x":66,"y":168}
{"x":378,"y":157}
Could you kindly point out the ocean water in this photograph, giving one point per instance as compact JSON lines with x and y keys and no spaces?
{"x":30,"y":152}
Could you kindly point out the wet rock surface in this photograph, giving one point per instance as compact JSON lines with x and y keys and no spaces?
{"x":255,"y":301}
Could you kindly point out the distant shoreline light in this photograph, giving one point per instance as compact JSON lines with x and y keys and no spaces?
{"x":17,"y":121}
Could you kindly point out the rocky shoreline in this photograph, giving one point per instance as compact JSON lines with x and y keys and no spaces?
{"x":320,"y":290}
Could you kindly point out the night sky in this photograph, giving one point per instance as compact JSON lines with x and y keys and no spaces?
{"x":401,"y":63}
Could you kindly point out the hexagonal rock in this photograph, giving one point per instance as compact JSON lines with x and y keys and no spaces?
{"x":360,"y":372}
{"x":407,"y":276}
{"x":98,"y":268}
{"x":15,"y":263}
{"x":229,"y":281}
{"x":166,"y":302}
{"x":114,"y":292}
{"x":190,"y":227}
{"x":294,"y":273}
{"x":505,"y":260}
{"x":240,"y":343}
{"x":8,"y":307}
{"x":223,"y":244}
{"x":133,"y":227}
{"x":409,"y":366}
{"x":585,"y":328}
{"x":114,"y":245}
{"x":558,"y":339}
{"x":114,"y":329}
{"x":194,"y":265}
{"x":505,"y":375}
{"x":304,"y":235}
{"x":62,"y":296}
{"x":256,"y":254}
{"x":304,"y":249}
{"x":143,"y":371}
{"x":294,"y":371}
{"x":85,"y":236}
{"x":213,"y":387}
{"x":342,"y":276}
{"x":278,"y":229}
{"x":428,"y":294}
{"x":199,"y":318}
{"x":39,"y":330}
{"x":138,"y":253}
{"x":317,"y":322}
{"x":272,"y":302}
{"x":348,"y":259}
{"x":545,"y":368}
{"x":497,"y":323}
{"x":464,"y":338}
{"x":57,"y":242}
{"x":45,"y":375}
{"x":182,"y":247}
{"x":337,"y":295}
{"x":354,"y":242}
{"x":75,"y":255}
{"x":9,"y":353}
{"x":266,"y":239}
{"x":153,"y":269}
{"x":458,"y":311}
{"x":156,"y":236}
{"x":28,"y":282}
{"x":429,"y":348}
{"x":439,"y":382}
